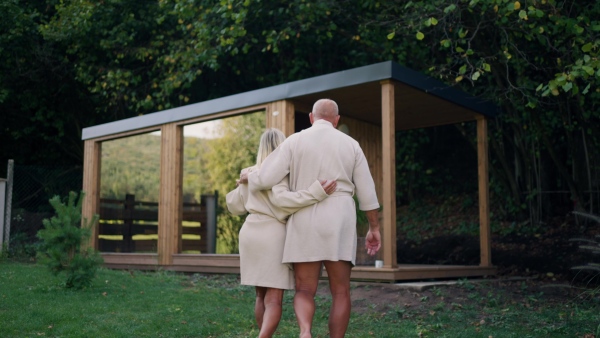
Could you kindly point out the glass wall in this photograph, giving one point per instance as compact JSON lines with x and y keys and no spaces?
{"x":129,"y":194}
{"x":214,"y":153}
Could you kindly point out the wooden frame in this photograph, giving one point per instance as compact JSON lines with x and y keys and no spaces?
{"x":375,"y":102}
{"x":388,"y":134}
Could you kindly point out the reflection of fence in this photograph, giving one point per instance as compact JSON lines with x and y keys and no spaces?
{"x":132,"y":226}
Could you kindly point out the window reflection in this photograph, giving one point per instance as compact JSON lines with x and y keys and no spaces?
{"x":214,"y":153}
{"x":129,"y":192}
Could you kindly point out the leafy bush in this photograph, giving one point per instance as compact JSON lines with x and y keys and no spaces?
{"x":62,"y":237}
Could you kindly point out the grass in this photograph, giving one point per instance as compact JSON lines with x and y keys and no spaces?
{"x":165,"y":304}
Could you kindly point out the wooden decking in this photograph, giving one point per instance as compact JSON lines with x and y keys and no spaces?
{"x":230,"y":264}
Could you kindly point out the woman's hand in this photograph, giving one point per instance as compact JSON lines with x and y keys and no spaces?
{"x":329,"y":186}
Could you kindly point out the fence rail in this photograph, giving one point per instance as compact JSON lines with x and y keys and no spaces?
{"x":132,"y":226}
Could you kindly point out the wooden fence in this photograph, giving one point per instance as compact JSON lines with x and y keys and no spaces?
{"x":132,"y":226}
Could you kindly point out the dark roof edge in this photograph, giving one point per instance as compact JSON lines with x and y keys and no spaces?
{"x":375,"y":72}
{"x":355,"y":76}
{"x":435,"y":87}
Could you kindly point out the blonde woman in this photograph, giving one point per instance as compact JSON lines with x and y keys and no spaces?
{"x":262,"y":235}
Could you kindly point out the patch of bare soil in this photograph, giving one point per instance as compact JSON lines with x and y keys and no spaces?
{"x":385,"y":297}
{"x":532,"y":268}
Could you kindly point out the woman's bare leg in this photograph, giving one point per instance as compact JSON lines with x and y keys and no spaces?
{"x":272,"y":315}
{"x":259,"y":305}
{"x":307,"y":279}
{"x":339,"y":285}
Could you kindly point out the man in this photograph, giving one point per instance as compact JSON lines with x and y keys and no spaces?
{"x":324,"y":233}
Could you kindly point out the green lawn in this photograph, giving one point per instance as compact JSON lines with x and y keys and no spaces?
{"x":165,"y":304}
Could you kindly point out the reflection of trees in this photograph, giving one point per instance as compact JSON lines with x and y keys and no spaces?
{"x":131,"y":165}
{"x":215,"y":164}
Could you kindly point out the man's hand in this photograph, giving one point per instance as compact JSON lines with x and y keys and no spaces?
{"x":373,"y":238}
{"x":329,"y":186}
{"x":373,"y":242}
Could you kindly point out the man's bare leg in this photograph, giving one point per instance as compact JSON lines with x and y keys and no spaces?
{"x":259,"y":305}
{"x":272,"y":314}
{"x":307,"y":279}
{"x":339,"y":285}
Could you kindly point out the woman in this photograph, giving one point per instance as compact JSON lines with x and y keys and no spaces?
{"x":262,"y":235}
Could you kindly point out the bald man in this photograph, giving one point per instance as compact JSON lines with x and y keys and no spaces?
{"x":323,"y":233}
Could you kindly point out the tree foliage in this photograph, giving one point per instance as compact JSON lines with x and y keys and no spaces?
{"x":536,"y":59}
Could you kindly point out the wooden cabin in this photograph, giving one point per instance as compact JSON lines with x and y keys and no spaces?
{"x":375,"y":102}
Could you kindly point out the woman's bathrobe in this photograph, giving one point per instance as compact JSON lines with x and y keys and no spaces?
{"x":262,"y":235}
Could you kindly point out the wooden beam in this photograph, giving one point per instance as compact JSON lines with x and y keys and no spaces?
{"x":280,"y":115}
{"x":484,"y":194}
{"x":388,"y":135}
{"x":91,"y":186}
{"x":170,"y":205}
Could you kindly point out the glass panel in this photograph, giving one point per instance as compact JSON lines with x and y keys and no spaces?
{"x":214,"y":153}
{"x":129,"y":193}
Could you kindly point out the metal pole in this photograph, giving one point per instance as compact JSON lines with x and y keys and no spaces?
{"x":9,"y":188}
{"x":2,"y":204}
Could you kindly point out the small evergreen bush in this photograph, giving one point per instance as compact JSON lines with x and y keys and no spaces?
{"x":61,"y":243}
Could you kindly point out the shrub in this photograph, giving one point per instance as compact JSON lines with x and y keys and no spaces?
{"x":61,"y":243}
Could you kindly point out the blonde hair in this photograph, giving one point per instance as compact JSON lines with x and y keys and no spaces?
{"x":269,"y":140}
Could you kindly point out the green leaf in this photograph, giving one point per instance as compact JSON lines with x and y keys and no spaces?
{"x":449,"y":8}
{"x":459,"y":49}
{"x":475,"y":76}
{"x":391,"y":35}
{"x":523,"y":15}
{"x":445,"y":43}
{"x":587,"y":88}
{"x":587,"y":47}
{"x":567,"y":86}
{"x":463,"y":69}
{"x":487,"y":67}
{"x":420,"y":36}
{"x":589,"y":70}
{"x":427,"y":22}
{"x":434,"y":21}
{"x":539,"y":87}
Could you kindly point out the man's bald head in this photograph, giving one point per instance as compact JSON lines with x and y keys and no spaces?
{"x":325,"y":109}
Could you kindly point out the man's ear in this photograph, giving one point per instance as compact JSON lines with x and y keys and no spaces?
{"x":310,"y":116}
{"x":337,"y":120}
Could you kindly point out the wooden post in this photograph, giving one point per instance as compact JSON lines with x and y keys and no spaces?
{"x":388,"y":134}
{"x":280,"y":115}
{"x":127,"y":227}
{"x":91,"y":186}
{"x":170,"y":204}
{"x":484,"y":199}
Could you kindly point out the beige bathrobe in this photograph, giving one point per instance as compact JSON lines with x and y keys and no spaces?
{"x":262,"y":235}
{"x":325,"y":230}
